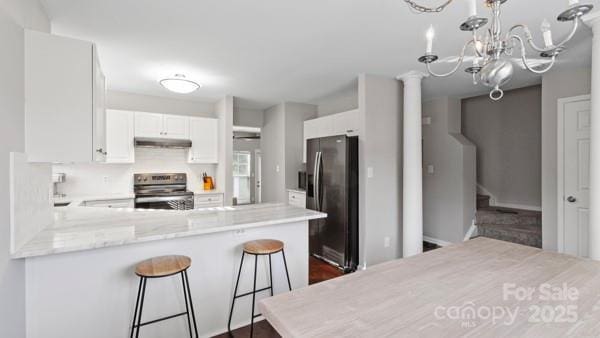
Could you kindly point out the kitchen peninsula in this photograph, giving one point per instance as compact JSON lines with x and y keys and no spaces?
{"x":68,"y":275}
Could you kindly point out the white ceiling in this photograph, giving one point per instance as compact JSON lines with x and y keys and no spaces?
{"x":267,"y":51}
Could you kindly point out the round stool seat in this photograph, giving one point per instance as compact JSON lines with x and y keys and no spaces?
{"x":162,"y":266}
{"x":263,"y":246}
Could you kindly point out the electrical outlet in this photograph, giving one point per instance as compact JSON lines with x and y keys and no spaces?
{"x":277,"y":168}
{"x":239,"y":232}
{"x":387,"y":242}
{"x":370,"y":173}
{"x":105,"y":179}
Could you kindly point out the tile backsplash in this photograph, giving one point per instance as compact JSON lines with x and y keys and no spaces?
{"x":99,"y":178}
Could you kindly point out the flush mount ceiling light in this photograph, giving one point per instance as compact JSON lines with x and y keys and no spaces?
{"x":179,"y":84}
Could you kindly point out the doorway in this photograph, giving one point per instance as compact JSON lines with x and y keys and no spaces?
{"x":573,"y":174}
{"x":246,"y":165}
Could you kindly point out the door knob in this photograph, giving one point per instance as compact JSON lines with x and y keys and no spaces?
{"x":571,"y":199}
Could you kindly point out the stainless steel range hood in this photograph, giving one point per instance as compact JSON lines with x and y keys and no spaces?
{"x":146,"y":142}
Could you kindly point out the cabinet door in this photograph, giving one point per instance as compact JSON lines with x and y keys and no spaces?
{"x":99,"y":120}
{"x":59,"y":99}
{"x":310,"y":131}
{"x":345,"y":123}
{"x":119,"y":136}
{"x":205,"y":142}
{"x":148,"y":125}
{"x":176,"y":127}
{"x":324,"y":126}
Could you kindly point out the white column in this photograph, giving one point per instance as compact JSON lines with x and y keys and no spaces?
{"x":412,"y":189}
{"x":594,"y":225}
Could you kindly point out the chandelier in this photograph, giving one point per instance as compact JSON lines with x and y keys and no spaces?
{"x":491,"y":60}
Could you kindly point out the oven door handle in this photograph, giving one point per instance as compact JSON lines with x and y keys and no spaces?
{"x":163,"y":199}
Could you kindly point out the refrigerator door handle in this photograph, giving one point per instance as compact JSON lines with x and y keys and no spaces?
{"x":318,"y":180}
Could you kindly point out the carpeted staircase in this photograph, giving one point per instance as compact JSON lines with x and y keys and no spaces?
{"x":511,"y":225}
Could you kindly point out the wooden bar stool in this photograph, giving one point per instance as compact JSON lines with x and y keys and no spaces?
{"x":160,"y":267}
{"x":260,"y":247}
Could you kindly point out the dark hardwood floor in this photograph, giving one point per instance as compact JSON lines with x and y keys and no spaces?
{"x":319,"y":271}
{"x":262,"y":329}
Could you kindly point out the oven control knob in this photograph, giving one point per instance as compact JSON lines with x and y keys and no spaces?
{"x":139,"y":179}
{"x":145,"y":179}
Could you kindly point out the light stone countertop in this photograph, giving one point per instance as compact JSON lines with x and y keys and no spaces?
{"x":77,"y":228}
{"x":78,"y":199}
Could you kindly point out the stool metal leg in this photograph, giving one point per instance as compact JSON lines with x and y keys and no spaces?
{"x":187,"y":283}
{"x":237,"y":282}
{"x":286,"y":270}
{"x":137,"y":303}
{"x":137,"y":334}
{"x":271,"y":274}
{"x":253,"y":296}
{"x":187,"y":308}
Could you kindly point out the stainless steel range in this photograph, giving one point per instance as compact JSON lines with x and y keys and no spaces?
{"x":162,"y":191}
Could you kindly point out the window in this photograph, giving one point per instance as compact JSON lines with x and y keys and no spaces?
{"x":241,"y":164}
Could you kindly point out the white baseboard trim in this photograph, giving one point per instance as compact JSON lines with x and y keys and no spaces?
{"x":436,"y":241}
{"x":472,"y":231}
{"x":517,"y":206}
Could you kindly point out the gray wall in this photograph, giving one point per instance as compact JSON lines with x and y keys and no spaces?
{"x":380,"y":148}
{"x":272,"y":145}
{"x":247,"y":117}
{"x":555,"y":85}
{"x":295,"y":115}
{"x":156,"y":104}
{"x":281,"y":145}
{"x":339,"y":101}
{"x":14,"y":16}
{"x":449,"y":192}
{"x":508,"y":137}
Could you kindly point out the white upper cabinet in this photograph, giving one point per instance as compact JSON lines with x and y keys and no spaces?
{"x":64,"y":100}
{"x":148,"y":125}
{"x":161,"y":126}
{"x":345,"y":123}
{"x":176,"y":127}
{"x":99,"y":133}
{"x":119,"y":136}
{"x":205,"y":140}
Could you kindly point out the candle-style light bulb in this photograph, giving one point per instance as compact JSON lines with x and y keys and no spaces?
{"x":430,"y":35}
{"x":547,"y":32}
{"x":472,"y":8}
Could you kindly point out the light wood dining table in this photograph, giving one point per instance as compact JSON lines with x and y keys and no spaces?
{"x":479,"y":288}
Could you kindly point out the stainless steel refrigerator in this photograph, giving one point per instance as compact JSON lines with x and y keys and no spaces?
{"x":332,"y":187}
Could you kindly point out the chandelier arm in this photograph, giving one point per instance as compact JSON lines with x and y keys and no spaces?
{"x":458,"y":63}
{"x":530,"y":41}
{"x":524,"y":58}
{"x":423,"y":9}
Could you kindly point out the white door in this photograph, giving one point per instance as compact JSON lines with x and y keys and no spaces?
{"x":575,"y":165}
{"x":176,"y":127}
{"x":257,"y":176}
{"x":205,"y":140}
{"x":119,"y":136}
{"x":148,"y":125}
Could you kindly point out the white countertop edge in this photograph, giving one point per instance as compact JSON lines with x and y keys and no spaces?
{"x":299,"y":191}
{"x":24,"y":253}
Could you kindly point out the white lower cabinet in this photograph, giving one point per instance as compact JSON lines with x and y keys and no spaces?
{"x":117,"y":203}
{"x":119,"y":136}
{"x":208,"y":200}
{"x":297,"y":198}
